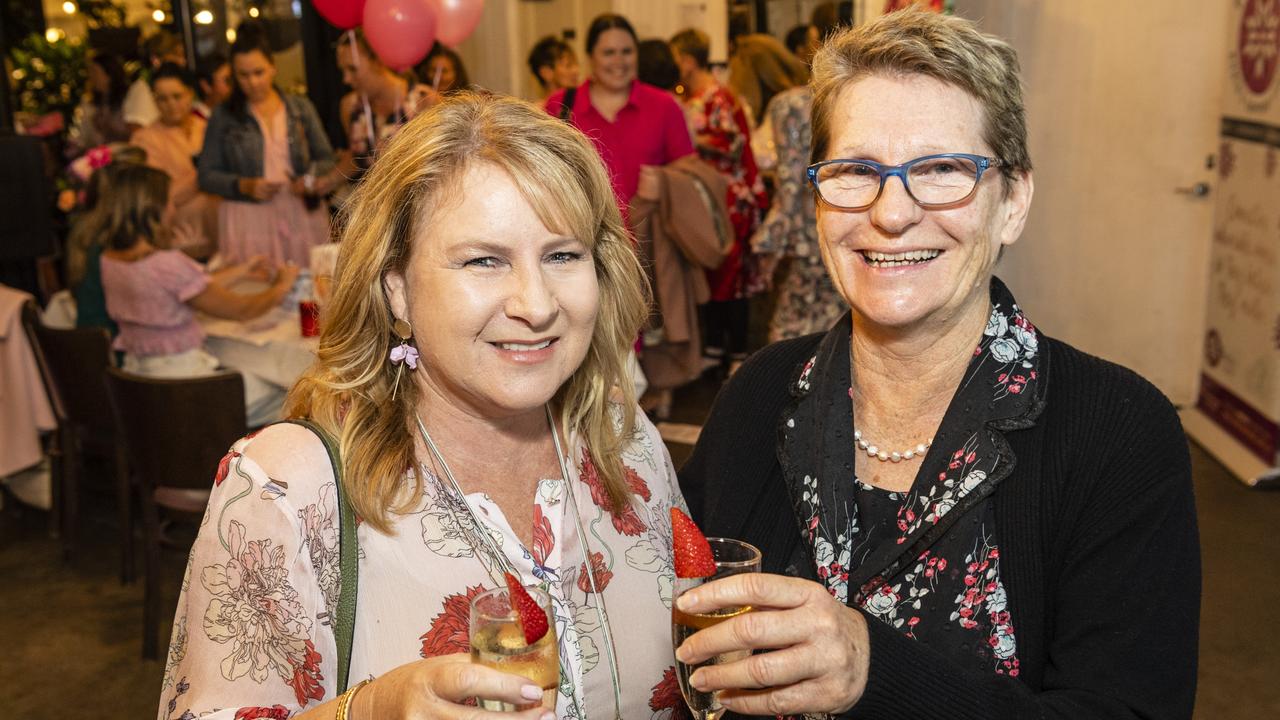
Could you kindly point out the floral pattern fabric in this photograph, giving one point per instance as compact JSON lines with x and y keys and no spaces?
{"x":254,"y":636}
{"x":903,"y":557}
{"x":722,"y":137}
{"x":808,"y":301}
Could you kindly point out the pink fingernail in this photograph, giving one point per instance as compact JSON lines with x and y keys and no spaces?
{"x":531,"y":692}
{"x":548,"y":716}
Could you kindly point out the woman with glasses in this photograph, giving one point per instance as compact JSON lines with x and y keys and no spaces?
{"x":984,"y":522}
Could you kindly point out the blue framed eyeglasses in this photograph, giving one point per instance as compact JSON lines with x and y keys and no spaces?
{"x":933,"y":181}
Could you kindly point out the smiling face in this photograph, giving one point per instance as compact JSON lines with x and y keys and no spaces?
{"x":949,"y":253}
{"x":503,"y":309}
{"x":254,"y":73}
{"x":173,"y":100}
{"x":613,"y":60}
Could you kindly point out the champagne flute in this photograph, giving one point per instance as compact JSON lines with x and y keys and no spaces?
{"x":732,"y":557}
{"x":497,"y":640}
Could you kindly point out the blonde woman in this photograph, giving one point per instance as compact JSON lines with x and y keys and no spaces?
{"x":472,"y":441}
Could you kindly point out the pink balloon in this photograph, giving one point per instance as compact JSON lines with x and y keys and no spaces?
{"x":401,"y":32}
{"x":342,"y":14}
{"x":458,"y":19}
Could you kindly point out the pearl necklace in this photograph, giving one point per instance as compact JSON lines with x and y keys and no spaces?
{"x":883,"y":456}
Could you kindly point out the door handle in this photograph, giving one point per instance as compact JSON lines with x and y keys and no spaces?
{"x":1200,"y":189}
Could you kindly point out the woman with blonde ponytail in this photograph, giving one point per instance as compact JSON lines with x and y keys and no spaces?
{"x":471,"y":374}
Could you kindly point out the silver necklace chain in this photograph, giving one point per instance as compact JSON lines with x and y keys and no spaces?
{"x":496,"y":553}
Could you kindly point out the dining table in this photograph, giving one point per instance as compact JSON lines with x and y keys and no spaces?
{"x":270,"y":347}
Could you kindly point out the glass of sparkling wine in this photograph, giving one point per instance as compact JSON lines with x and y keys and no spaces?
{"x":498,"y":641}
{"x":732,"y":557}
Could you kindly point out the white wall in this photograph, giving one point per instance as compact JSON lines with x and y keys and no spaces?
{"x":1122,"y":102}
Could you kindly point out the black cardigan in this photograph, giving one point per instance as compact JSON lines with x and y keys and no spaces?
{"x":1100,"y":550}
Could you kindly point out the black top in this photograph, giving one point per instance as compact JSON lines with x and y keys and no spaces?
{"x":1099,"y":549}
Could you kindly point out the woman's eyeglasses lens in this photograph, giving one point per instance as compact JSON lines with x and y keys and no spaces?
{"x":933,"y":181}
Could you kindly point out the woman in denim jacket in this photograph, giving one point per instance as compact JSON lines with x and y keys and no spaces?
{"x":267,"y":154}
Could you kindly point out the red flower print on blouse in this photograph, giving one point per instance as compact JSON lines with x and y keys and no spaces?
{"x":665,"y":700}
{"x":224,"y":467}
{"x":307,"y":677}
{"x":543,"y":539}
{"x":275,"y":712}
{"x":635,"y":483}
{"x":449,"y":631}
{"x":603,"y":576}
{"x":626,"y":522}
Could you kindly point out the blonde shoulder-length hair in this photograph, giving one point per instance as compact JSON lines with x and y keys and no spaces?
{"x":349,"y":389}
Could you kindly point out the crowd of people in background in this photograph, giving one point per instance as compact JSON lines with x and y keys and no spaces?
{"x":251,"y":175}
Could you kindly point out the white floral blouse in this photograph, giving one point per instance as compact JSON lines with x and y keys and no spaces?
{"x":253,"y":639}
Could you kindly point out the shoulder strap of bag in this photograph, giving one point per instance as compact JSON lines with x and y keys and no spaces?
{"x":566,"y":104}
{"x":344,"y":622}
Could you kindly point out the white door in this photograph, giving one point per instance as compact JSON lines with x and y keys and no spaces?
{"x":1123,"y":104}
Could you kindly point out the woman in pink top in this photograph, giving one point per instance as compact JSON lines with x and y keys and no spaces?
{"x":153,"y":294}
{"x":632,"y":124}
{"x":266,"y":153}
{"x":171,"y":143}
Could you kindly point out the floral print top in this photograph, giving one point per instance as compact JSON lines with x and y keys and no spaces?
{"x":253,"y":636}
{"x":925,"y":561}
{"x":808,"y":301}
{"x":722,"y":136}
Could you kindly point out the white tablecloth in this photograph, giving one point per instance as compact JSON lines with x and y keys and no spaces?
{"x":270,"y":347}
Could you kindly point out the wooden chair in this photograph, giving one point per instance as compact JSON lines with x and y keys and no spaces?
{"x":71,"y":363}
{"x":174,"y":432}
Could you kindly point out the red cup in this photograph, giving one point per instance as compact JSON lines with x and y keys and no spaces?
{"x":309,"y":318}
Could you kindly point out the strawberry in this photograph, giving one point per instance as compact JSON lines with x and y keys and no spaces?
{"x":529,"y":615}
{"x":693,"y":553}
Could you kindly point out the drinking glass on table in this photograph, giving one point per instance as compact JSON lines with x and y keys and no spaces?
{"x":498,"y":641}
{"x":732,"y":557}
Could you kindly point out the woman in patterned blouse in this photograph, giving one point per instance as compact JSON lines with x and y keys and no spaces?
{"x":984,"y":523}
{"x":491,"y":229}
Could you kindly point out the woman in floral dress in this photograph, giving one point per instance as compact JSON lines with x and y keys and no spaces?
{"x":450,"y":428}
{"x":807,"y":300}
{"x":722,"y":137}
{"x":960,"y":517}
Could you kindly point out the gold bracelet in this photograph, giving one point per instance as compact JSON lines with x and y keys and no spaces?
{"x":346,"y":698}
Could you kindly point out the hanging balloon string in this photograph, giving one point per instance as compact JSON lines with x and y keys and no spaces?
{"x":364,"y":98}
{"x":435,"y":82}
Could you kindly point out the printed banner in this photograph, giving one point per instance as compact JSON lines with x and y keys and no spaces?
{"x":1240,"y":383}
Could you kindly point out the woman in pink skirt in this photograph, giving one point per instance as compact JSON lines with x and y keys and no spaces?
{"x":267,"y":155}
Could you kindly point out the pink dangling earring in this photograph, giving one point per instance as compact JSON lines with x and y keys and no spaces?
{"x":403,"y":354}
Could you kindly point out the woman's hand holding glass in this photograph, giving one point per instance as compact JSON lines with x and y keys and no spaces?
{"x":437,"y":688}
{"x":818,"y":649}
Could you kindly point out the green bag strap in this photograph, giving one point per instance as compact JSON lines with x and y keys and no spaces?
{"x":344,"y":621}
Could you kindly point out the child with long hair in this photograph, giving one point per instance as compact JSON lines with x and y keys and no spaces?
{"x":152,"y":293}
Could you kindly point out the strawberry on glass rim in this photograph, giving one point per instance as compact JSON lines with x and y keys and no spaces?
{"x":531,"y":618}
{"x":693,"y":557}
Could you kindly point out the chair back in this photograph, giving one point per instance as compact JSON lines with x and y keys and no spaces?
{"x":71,"y":363}
{"x":175,"y":430}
